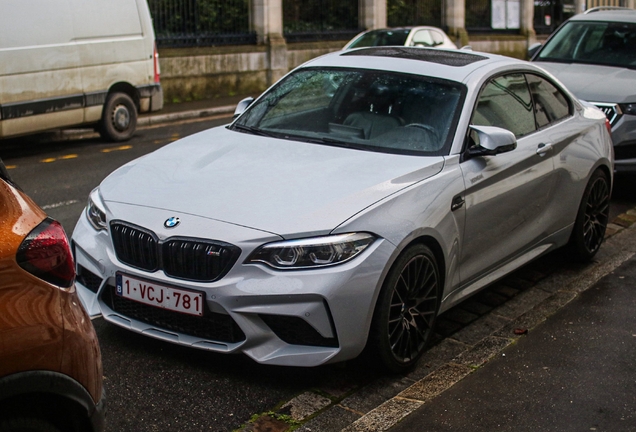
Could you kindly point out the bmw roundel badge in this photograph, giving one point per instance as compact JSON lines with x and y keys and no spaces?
{"x":171,"y":222}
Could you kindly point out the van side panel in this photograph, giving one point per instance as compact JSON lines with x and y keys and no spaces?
{"x":38,"y":66}
{"x":66,"y":55}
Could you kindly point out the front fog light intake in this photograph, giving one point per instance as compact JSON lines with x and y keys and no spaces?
{"x":312,"y":252}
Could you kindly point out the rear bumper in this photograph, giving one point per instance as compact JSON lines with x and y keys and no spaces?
{"x":154,"y":94}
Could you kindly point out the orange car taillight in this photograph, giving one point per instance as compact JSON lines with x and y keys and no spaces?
{"x":155,"y":56}
{"x":45,"y":253}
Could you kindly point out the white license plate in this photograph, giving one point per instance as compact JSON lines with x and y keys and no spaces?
{"x":158,"y":295}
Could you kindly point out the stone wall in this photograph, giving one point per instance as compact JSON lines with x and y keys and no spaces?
{"x":205,"y":73}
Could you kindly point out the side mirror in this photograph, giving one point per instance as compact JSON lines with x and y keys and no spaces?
{"x":242,"y":106}
{"x":532,"y":49}
{"x":492,"y":141}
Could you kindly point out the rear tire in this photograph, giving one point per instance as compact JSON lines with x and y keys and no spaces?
{"x":591,"y":220}
{"x":119,"y":118}
{"x":406,"y":310}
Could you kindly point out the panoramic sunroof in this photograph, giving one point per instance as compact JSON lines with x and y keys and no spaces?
{"x":447,"y":58}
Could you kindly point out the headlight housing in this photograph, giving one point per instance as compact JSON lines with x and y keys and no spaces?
{"x":628,"y":108}
{"x":313,"y":252}
{"x":95,"y":211}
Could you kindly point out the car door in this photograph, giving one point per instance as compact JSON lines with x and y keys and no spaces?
{"x":506,"y":195}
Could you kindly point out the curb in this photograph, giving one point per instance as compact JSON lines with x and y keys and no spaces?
{"x":383,"y":403}
{"x":149,"y":120}
{"x":156,"y":119}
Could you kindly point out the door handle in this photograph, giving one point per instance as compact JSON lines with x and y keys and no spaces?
{"x":458,"y":202}
{"x":544,"y":148}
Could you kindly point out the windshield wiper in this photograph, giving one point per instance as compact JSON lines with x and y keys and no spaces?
{"x":253,"y":130}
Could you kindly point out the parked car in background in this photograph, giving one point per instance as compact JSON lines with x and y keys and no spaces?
{"x":362,"y":195}
{"x":67,"y":63}
{"x":422,"y":36}
{"x":50,"y":363}
{"x":594,"y":55}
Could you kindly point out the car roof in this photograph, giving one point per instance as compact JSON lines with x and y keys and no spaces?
{"x":617,"y":15}
{"x":455,"y":65}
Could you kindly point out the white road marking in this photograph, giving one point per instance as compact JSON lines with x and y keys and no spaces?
{"x":59,"y":204}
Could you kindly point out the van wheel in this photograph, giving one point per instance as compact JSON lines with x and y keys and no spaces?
{"x":119,"y":118}
{"x":405,"y":313}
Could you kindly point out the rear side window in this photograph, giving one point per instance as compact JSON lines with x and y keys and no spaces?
{"x":505,"y":102}
{"x":550,"y":104}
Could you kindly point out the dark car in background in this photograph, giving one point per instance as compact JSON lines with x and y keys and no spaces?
{"x":50,"y":362}
{"x":594,"y":55}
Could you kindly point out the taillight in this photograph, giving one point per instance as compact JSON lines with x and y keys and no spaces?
{"x":45,"y":253}
{"x":608,"y":125}
{"x":155,"y":56}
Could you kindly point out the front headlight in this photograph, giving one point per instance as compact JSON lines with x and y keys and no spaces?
{"x":628,"y":108}
{"x":95,"y":211}
{"x":312,"y":252}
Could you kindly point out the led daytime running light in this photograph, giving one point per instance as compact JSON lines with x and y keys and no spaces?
{"x":312,"y":252}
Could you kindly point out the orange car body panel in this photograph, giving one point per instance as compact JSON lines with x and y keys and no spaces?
{"x":42,"y":326}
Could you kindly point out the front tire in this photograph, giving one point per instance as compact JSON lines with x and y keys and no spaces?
{"x":23,"y":424}
{"x":406,"y":310}
{"x":119,"y":118}
{"x":591,"y":220}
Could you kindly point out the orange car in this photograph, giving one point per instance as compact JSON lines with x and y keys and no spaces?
{"x":50,"y":363}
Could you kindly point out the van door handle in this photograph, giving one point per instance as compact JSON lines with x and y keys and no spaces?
{"x":544,"y":148}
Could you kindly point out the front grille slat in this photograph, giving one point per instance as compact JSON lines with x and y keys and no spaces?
{"x":180,"y":257}
{"x":610,"y":110}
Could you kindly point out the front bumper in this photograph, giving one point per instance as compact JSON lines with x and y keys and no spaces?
{"x":299,"y":318}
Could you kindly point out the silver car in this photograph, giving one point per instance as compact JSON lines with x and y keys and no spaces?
{"x":361,"y":196}
{"x":594,"y":55}
{"x":421,"y":36}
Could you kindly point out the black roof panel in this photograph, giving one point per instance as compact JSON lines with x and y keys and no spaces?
{"x":448,"y":58}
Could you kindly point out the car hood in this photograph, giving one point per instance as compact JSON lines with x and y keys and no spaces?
{"x":595,"y":83}
{"x":284,"y":187}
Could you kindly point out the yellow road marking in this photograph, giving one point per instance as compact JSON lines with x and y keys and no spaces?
{"x":48,"y":160}
{"x":11,"y":166}
{"x":68,"y":156}
{"x":120,"y":148}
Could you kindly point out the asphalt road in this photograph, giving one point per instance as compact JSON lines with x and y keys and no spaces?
{"x":153,"y":385}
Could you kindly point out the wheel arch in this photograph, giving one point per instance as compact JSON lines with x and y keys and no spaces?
{"x":127,"y":88}
{"x":49,"y":396}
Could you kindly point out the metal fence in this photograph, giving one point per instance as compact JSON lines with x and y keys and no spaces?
{"x":186,"y":23}
{"x":414,"y":12}
{"x":315,"y":20}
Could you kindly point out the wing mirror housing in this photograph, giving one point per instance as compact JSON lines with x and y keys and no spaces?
{"x":492,"y":141}
{"x":242,"y":106}
{"x":532,"y":49}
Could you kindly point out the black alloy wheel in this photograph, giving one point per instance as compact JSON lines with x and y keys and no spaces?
{"x":592,"y":218}
{"x":407,"y":307}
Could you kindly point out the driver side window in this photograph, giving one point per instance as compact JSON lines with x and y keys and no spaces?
{"x":505,"y":102}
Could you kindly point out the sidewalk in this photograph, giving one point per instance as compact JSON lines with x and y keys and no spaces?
{"x":574,"y":372}
{"x":190,"y":110}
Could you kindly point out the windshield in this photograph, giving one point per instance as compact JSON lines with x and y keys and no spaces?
{"x":601,"y":43}
{"x":381,"y":38}
{"x":369,"y":110}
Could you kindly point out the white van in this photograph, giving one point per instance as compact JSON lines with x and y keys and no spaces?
{"x":77,"y":62}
